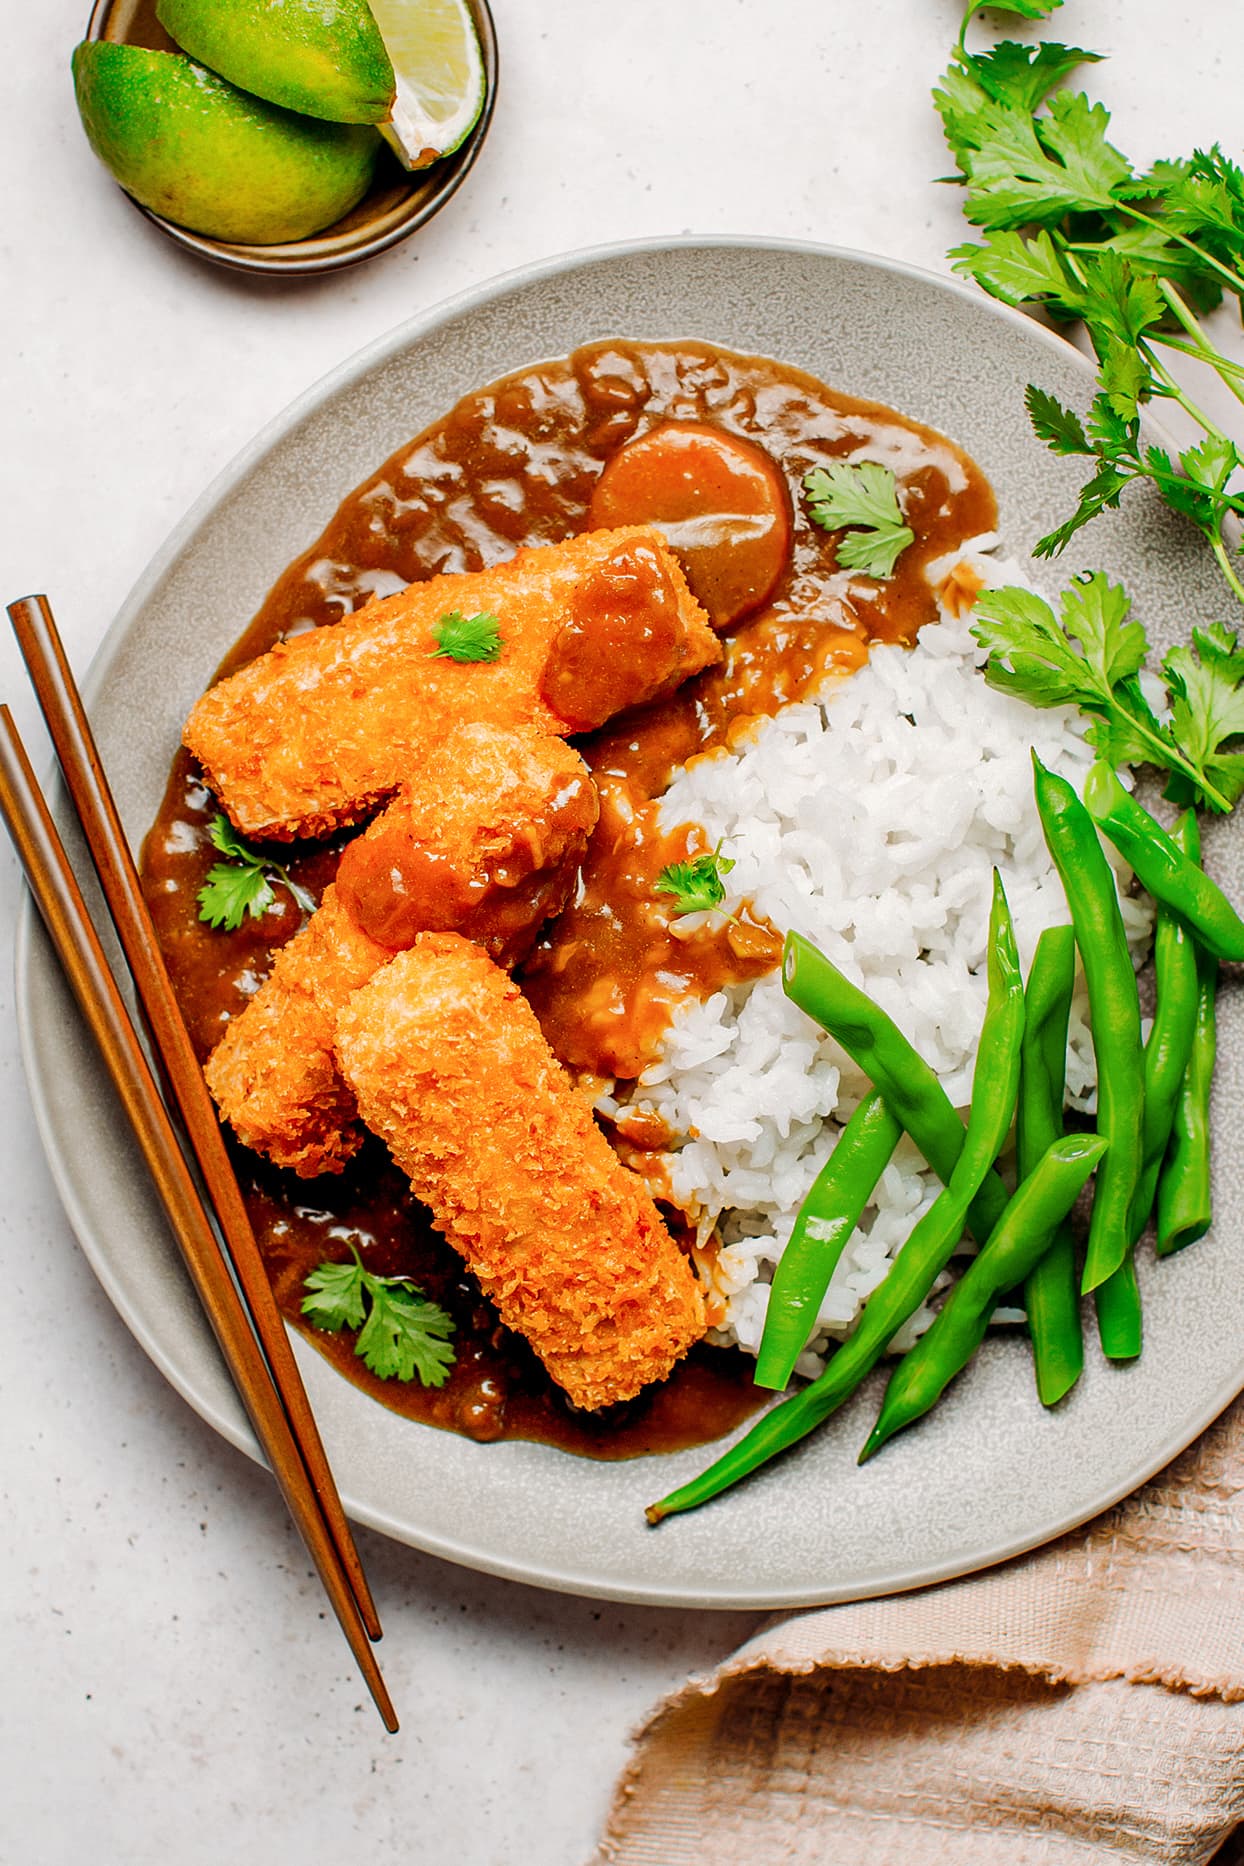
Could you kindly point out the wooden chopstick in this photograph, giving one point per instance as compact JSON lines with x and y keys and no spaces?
{"x":92,"y":799}
{"x":77,"y":945}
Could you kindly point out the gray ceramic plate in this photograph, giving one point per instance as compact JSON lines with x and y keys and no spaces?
{"x":989,"y":1474}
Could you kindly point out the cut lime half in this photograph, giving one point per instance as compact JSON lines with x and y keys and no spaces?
{"x":322,"y":57}
{"x":440,"y":76}
{"x":199,"y":151}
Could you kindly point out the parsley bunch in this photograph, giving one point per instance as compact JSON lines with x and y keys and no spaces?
{"x":1093,"y":657}
{"x":1069,"y":226}
{"x":401,"y":1334}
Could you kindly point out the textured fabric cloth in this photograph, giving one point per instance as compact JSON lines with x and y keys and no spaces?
{"x":1081,"y":1704}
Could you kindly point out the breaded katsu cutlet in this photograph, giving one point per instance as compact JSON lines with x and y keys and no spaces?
{"x":487,"y":840}
{"x":315,"y":734}
{"x":450,"y":1068}
{"x":273,"y":1074}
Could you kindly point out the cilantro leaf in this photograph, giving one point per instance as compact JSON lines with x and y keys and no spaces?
{"x":467,"y":638}
{"x":863,"y":494}
{"x":1023,"y":9}
{"x":1075,"y":133}
{"x":1211,"y":462}
{"x":1021,"y":168}
{"x":696,"y":884}
{"x":1125,"y":378}
{"x":405,"y":1335}
{"x":1108,"y":436}
{"x":1019,"y":9}
{"x":1081,"y":658}
{"x":1092,"y":657}
{"x":1126,"y":737}
{"x":1097,"y":614}
{"x":1029,"y":654}
{"x":1097,"y":495}
{"x":1148,"y":249}
{"x":1202,"y":198}
{"x":336,"y":1300}
{"x":241,"y":886}
{"x":1060,"y":428}
{"x":1120,"y":308}
{"x":225,"y":838}
{"x":401,"y":1334}
{"x":1206,"y":682}
{"x":1024,"y":75}
{"x":1017,"y":269}
{"x":229,"y":894}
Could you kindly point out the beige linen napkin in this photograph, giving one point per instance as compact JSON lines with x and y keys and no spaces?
{"x":1081,"y":1704}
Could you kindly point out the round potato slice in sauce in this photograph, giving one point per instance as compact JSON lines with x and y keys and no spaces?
{"x":720,"y":501}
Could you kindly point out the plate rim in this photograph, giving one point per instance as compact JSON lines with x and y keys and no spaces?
{"x":235,"y":1430}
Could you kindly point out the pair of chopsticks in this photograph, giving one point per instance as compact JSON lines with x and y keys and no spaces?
{"x":243,"y":1314}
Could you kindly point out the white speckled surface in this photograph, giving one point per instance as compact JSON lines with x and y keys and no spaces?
{"x":168,"y":1688}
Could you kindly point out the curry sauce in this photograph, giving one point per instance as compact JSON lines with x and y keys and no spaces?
{"x":534,"y":459}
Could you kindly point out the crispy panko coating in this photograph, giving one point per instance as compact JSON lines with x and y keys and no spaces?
{"x":313,"y":735}
{"x":273,"y":1073}
{"x":486,"y":841}
{"x":451,"y":1070}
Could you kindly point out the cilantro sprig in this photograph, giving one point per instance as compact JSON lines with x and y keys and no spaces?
{"x":1071,"y":227}
{"x":861,"y":497}
{"x":1092,"y":656}
{"x":466,"y":638}
{"x":696,"y":884}
{"x":401,"y":1335}
{"x":239,"y":885}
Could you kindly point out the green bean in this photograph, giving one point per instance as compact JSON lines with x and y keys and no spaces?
{"x":1117,"y":1301}
{"x":924,"y":1255}
{"x":1162,"y":867}
{"x":1166,"y":1058}
{"x":912,"y":1091}
{"x":1169,"y":1049}
{"x":1184,"y":1210}
{"x":1023,"y":1234}
{"x":1052,"y":1289}
{"x":1114,"y":1009}
{"x":824,"y":1223}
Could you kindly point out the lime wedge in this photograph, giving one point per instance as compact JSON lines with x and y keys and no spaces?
{"x":440,"y":76}
{"x":196,"y":149}
{"x":323,"y":57}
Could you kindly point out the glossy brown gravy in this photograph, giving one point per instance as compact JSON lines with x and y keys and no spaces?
{"x":512,"y":464}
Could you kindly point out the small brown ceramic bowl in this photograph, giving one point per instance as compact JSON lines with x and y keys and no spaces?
{"x":393,"y":207}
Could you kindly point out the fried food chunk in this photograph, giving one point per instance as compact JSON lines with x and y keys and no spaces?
{"x":487,"y":841}
{"x":452,"y":1071}
{"x":273,"y":1073}
{"x":314,"y":734}
{"x":484,"y":841}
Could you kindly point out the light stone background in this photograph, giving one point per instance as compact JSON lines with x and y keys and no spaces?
{"x":170,"y":1686}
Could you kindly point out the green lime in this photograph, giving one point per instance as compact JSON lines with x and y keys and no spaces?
{"x":440,"y":76}
{"x":323,"y":57}
{"x":197,"y":150}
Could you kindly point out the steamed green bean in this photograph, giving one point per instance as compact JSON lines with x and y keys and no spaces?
{"x":1052,"y":1288}
{"x":824,"y":1224}
{"x":1114,"y":1009}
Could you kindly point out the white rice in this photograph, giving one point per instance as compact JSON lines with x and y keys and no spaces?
{"x":870,"y":820}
